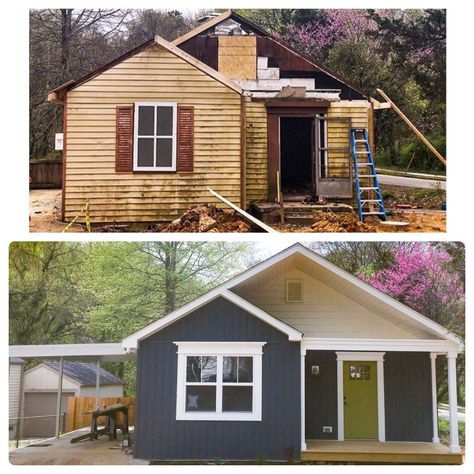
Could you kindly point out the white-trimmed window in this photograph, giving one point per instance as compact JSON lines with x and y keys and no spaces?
{"x":219,"y":381}
{"x":155,"y":136}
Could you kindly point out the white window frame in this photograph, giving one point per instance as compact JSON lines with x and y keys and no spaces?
{"x":174,"y":105}
{"x":220,"y":350}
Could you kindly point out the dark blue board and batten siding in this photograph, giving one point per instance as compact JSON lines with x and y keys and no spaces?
{"x":408,"y":404}
{"x":159,"y":436}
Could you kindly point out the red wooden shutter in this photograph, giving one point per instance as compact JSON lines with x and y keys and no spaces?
{"x":185,"y":145}
{"x":124,"y":138}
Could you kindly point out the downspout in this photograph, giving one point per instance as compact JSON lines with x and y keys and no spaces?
{"x":243,"y":151}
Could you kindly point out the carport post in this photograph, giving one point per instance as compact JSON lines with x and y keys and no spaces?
{"x":97,"y":385}
{"x":58,"y":402}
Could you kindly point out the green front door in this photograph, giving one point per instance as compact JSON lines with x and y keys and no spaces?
{"x":360,"y":400}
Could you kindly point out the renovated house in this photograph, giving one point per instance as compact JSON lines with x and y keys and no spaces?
{"x":293,"y":359}
{"x":226,"y":106}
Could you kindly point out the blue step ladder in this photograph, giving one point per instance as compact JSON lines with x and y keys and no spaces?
{"x":369,"y":195}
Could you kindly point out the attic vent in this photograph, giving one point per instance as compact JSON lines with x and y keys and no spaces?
{"x":294,"y":291}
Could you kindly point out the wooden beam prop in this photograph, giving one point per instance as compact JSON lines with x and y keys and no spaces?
{"x":415,"y":130}
{"x":251,"y":218}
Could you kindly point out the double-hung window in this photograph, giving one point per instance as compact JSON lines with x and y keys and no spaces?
{"x":219,"y":381}
{"x":155,"y":136}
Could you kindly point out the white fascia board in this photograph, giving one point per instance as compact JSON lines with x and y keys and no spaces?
{"x":292,"y":333}
{"x":228,"y":348}
{"x":423,"y":320}
{"x":388,"y":345}
{"x":49,"y":351}
{"x":130,"y":343}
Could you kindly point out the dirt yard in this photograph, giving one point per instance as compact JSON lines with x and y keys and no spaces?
{"x":45,"y":216}
{"x":45,"y":212}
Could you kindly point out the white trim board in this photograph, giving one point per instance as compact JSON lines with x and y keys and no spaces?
{"x":360,"y":356}
{"x":131,"y":342}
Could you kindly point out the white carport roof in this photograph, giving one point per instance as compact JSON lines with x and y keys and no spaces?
{"x":110,"y":352}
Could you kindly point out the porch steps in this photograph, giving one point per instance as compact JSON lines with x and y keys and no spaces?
{"x":369,"y":195}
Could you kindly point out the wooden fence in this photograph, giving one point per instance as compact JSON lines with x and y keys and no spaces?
{"x":78,"y":406}
{"x":46,"y":173}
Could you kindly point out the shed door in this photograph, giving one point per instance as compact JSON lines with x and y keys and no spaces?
{"x":360,"y":400}
{"x":333,"y":157}
{"x":40,"y":413}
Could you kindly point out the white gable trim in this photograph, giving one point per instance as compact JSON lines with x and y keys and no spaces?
{"x":130,"y":343}
{"x":42,"y":365}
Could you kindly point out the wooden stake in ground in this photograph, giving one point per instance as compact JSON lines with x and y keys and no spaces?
{"x":242,"y":212}
{"x":415,"y":130}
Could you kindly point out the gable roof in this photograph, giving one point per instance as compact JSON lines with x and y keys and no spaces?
{"x":379,"y":300}
{"x":131,"y":342}
{"x":56,"y":95}
{"x":85,"y":373}
{"x":231,"y":14}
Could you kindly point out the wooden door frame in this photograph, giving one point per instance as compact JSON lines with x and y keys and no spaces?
{"x":276,"y":110}
{"x":360,"y":356}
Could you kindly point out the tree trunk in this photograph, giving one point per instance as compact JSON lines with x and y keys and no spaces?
{"x":66,"y":28}
{"x":170,"y":276}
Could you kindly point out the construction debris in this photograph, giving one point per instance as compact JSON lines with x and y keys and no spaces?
{"x":208,"y":218}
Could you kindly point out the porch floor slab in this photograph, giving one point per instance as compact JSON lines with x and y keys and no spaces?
{"x":377,"y":452}
{"x":62,"y":451}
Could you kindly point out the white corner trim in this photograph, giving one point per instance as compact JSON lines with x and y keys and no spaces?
{"x":252,"y":349}
{"x":360,"y":356}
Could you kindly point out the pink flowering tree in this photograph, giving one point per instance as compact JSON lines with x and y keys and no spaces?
{"x":421,"y":278}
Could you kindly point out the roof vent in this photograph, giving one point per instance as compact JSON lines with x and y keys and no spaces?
{"x":294,"y":291}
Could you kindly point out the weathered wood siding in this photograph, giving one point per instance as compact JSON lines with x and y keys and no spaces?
{"x":256,"y":151}
{"x":158,"y":435}
{"x":46,"y":174}
{"x":338,"y":133}
{"x":152,"y":75}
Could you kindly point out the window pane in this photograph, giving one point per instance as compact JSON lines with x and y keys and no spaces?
{"x":145,"y":152}
{"x":245,"y":369}
{"x":200,"y":398}
{"x":146,"y":120}
{"x":193,"y":369}
{"x":208,"y":369}
{"x":164,"y":124}
{"x":230,"y":369}
{"x":235,"y":398}
{"x":164,"y":152}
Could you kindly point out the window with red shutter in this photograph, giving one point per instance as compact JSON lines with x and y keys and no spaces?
{"x":185,"y":138}
{"x":124,"y":139}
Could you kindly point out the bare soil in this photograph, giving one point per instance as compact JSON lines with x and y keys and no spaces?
{"x":45,"y":216}
{"x":45,"y":212}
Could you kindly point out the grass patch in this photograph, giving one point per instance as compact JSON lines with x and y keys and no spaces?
{"x":443,"y":428}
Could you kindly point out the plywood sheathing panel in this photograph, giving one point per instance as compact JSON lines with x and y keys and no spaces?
{"x":238,"y":57}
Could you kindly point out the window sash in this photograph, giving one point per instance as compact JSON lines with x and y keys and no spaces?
{"x":219,"y":414}
{"x":155,"y":136}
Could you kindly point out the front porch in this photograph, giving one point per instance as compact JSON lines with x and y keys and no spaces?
{"x":379,"y":452}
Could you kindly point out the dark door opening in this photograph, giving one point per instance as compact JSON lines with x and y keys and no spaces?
{"x":296,"y":155}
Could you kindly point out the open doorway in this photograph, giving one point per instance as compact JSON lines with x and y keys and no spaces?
{"x":296,"y":152}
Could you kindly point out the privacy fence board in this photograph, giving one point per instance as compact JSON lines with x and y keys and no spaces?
{"x":46,"y":173}
{"x":78,"y":406}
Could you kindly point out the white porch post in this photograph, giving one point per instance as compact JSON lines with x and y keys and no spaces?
{"x":453,"y":403}
{"x":58,"y":400}
{"x":303,"y":395}
{"x":434,"y":397}
{"x":381,"y":398}
{"x":340,"y":399}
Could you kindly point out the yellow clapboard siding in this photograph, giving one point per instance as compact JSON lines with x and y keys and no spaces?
{"x":90,"y":164}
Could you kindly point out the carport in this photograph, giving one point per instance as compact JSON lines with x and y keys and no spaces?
{"x":98,"y":353}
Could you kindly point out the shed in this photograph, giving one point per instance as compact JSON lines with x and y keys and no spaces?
{"x":40,"y":392}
